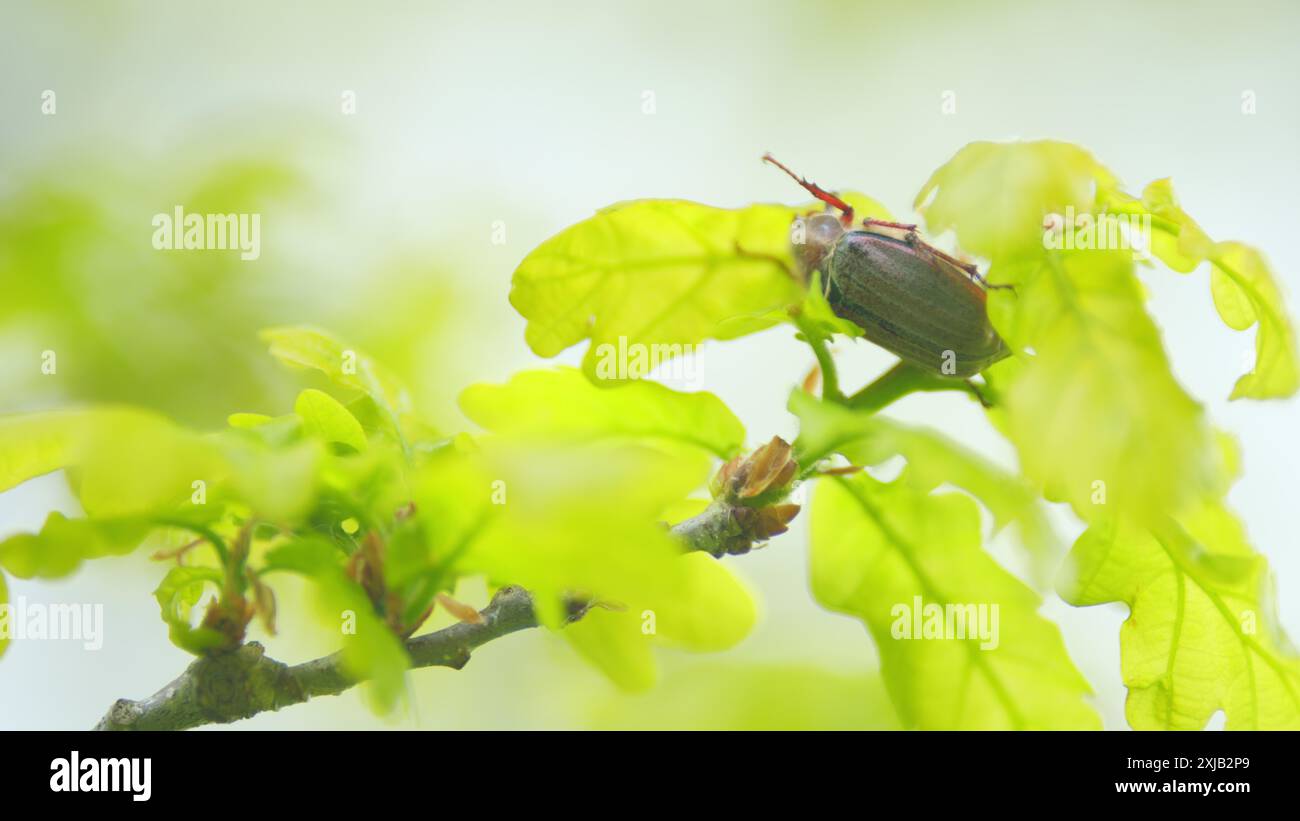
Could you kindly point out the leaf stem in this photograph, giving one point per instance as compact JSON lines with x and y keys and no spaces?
{"x":218,"y":544}
{"x":903,"y":379}
{"x":830,"y":377}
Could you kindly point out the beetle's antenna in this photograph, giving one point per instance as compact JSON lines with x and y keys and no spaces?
{"x":817,"y":191}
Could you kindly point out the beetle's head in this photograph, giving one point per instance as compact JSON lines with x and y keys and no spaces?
{"x":813,"y":237}
{"x":811,"y":240}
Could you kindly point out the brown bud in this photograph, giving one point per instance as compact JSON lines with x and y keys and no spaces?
{"x":721,"y":483}
{"x":263,"y":601}
{"x":463,"y":612}
{"x":775,"y":520}
{"x":769,"y":469}
{"x":766,"y":465}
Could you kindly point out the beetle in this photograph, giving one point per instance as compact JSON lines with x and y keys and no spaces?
{"x":907,"y":296}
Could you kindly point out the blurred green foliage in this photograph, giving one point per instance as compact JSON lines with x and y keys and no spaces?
{"x":567,"y":484}
{"x":177,"y":330}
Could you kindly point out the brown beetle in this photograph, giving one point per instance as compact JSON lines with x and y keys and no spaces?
{"x":908,"y":297}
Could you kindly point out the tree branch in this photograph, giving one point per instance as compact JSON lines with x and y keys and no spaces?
{"x":239,"y":684}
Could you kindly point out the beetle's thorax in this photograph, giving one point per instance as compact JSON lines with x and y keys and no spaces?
{"x":813,"y":239}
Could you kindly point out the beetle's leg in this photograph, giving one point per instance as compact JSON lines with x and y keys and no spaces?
{"x":773,"y":258}
{"x":846,"y":210}
{"x":969,"y":267}
{"x":978,"y":394}
{"x":870,"y":221}
{"x":974,"y":272}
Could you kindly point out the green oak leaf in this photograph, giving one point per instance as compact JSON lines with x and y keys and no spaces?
{"x":314,"y":349}
{"x":995,"y":195}
{"x":811,"y":314}
{"x":1245,"y":289}
{"x":591,"y":519}
{"x":177,"y":594}
{"x":709,"y":612}
{"x":248,"y":421}
{"x":645,"y":279}
{"x":1202,"y":632}
{"x":613,"y":643}
{"x":818,"y":320}
{"x":1179,"y":242}
{"x":276,"y":484}
{"x":1245,"y":293}
{"x":127,"y":459}
{"x":654,"y":273}
{"x":325,"y":418}
{"x":307,"y":557}
{"x":132,"y":470}
{"x":1095,"y":414}
{"x":563,"y":405}
{"x":879,"y":550}
{"x":33,"y":444}
{"x":370,"y":650}
{"x":63,"y":544}
{"x":869,"y":440}
{"x":127,"y":462}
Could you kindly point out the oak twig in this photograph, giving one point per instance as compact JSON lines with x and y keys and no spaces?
{"x":243,"y":682}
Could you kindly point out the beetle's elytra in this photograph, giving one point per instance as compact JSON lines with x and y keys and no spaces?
{"x":908,"y":297}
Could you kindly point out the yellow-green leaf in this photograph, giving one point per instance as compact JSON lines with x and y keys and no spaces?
{"x":650,"y":273}
{"x":370,"y":651}
{"x":246,"y":421}
{"x":1244,"y":288}
{"x":995,"y":195}
{"x":34,"y":444}
{"x":985,"y":659}
{"x":1181,"y":245}
{"x":1095,"y":414}
{"x":709,"y":609}
{"x":136,"y":463}
{"x":62,"y":544}
{"x":1276,"y":373}
{"x":563,"y":405}
{"x":279,"y":485}
{"x":177,"y":594}
{"x":565,"y":520}
{"x":325,"y":418}
{"x":1202,"y":633}
{"x":615,"y":644}
{"x":306,"y":347}
{"x":932,"y":460}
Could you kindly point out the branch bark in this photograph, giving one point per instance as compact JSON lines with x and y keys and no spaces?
{"x":239,"y":684}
